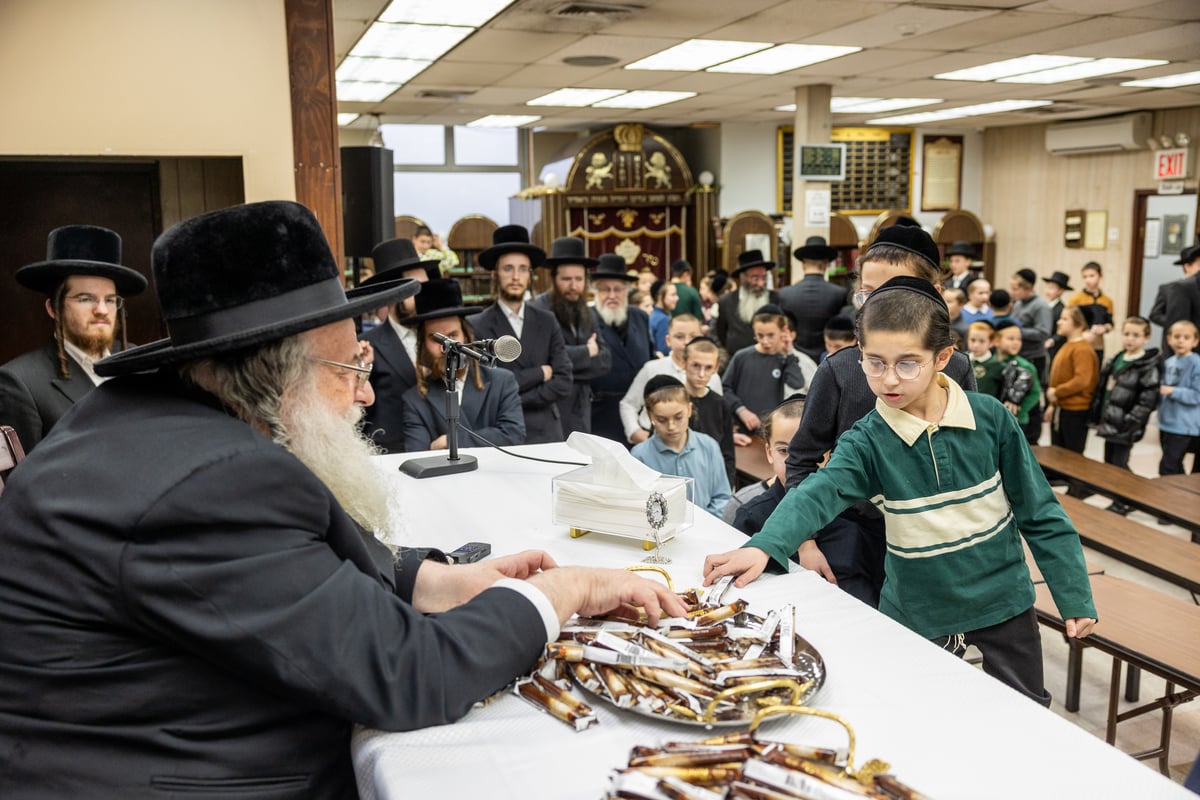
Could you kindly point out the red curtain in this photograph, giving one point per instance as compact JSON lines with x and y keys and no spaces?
{"x":646,"y":236}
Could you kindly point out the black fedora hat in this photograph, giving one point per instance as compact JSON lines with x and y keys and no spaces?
{"x":569,"y":250}
{"x":1061,"y":279}
{"x":511,"y":239}
{"x":245,"y":276}
{"x":751,"y":258}
{"x":815,"y":249}
{"x":611,"y":265}
{"x":395,"y":257}
{"x":440,"y":298}
{"x":911,"y":238}
{"x":1188,"y":255}
{"x":961,"y":249}
{"x":81,"y":250}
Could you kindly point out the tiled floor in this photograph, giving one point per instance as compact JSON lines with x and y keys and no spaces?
{"x":1140,"y":733}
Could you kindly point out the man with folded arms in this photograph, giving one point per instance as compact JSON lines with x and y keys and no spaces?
{"x":193,"y":595}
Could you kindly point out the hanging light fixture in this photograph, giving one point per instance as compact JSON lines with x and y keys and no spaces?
{"x":376,"y":138}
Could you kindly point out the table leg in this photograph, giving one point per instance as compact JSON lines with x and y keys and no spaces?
{"x":1114,"y":692}
{"x":1168,"y":713}
{"x":1133,"y":683}
{"x":1074,"y":672}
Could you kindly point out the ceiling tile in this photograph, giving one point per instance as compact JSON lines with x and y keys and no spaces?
{"x":795,"y":21}
{"x":508,"y":47}
{"x":454,"y":73}
{"x":1089,"y":7}
{"x":1172,"y":42}
{"x":891,"y":26}
{"x":1002,"y":26}
{"x":549,"y":77}
{"x":625,"y":48}
{"x":863,"y":62}
{"x":1177,"y":10}
{"x":1075,"y":37}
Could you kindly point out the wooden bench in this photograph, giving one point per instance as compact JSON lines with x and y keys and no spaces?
{"x":1160,"y":554}
{"x":1144,"y":629}
{"x":1036,"y":575}
{"x":1185,"y":483}
{"x":1146,"y":494}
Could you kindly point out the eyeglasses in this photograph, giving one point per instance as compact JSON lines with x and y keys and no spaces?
{"x":363,"y":370}
{"x":905,"y":370}
{"x":91,"y":301}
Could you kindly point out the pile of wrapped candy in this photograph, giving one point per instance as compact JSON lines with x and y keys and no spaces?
{"x":719,"y":665}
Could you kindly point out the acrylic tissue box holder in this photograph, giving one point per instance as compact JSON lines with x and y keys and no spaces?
{"x":589,"y":507}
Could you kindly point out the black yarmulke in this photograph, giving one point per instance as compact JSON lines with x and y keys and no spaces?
{"x":910,"y":238}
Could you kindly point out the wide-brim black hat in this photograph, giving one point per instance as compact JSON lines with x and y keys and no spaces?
{"x":395,"y":257}
{"x":749,"y":259}
{"x":1188,"y":255}
{"x":815,"y":249}
{"x":611,"y":265}
{"x":511,"y":239}
{"x":569,"y":250}
{"x":440,"y":298}
{"x":961,"y":249}
{"x":245,"y":276}
{"x":908,"y":237}
{"x":81,"y":250}
{"x":1061,"y":279}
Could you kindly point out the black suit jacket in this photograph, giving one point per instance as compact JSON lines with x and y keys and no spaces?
{"x":960,"y":281}
{"x":391,"y":376}
{"x":1175,"y":301}
{"x":493,"y":412}
{"x":732,"y":331}
{"x":215,"y":622}
{"x":33,"y":396}
{"x":814,"y":301}
{"x":575,"y":409}
{"x":541,"y":343}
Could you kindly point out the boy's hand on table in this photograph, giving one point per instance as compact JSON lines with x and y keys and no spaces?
{"x":745,"y":562}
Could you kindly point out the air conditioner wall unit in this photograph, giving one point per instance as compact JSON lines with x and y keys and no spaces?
{"x":1106,"y":135}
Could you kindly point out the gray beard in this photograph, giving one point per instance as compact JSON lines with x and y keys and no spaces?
{"x":613,"y":317}
{"x":333,"y":447}
{"x":750,"y":301}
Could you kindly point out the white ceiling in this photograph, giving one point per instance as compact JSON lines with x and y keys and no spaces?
{"x":518,"y":56}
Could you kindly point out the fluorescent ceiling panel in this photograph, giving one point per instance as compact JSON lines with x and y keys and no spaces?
{"x":1009,"y":66}
{"x":364,"y":91}
{"x":783,"y":58}
{"x":696,"y":54}
{"x":1088,"y":69}
{"x":380,"y":70}
{"x":878,"y":105}
{"x":982,"y":109}
{"x":574,"y":98}
{"x":346,"y":119}
{"x":1167,"y":81}
{"x":422,"y":42}
{"x":501,"y":121}
{"x":443,"y":12}
{"x":788,"y":107}
{"x":643,"y":99}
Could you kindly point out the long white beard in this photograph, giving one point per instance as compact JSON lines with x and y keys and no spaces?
{"x":333,"y":447}
{"x":613,"y":316}
{"x":750,"y":301}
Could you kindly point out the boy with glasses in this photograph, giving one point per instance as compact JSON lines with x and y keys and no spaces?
{"x":84,"y":283}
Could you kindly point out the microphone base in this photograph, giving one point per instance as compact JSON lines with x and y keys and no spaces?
{"x":433,"y":466}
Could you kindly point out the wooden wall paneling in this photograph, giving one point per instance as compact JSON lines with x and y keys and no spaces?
{"x":168,"y":191}
{"x":223,"y":183}
{"x":314,"y":113}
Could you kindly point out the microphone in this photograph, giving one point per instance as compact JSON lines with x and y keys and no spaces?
{"x":506,"y":348}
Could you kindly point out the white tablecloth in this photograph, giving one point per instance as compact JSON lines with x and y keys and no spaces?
{"x":947,"y":729}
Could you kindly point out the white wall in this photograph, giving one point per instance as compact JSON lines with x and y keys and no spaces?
{"x":150,"y":78}
{"x":747,"y":172}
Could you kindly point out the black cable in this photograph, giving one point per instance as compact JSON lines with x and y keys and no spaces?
{"x":518,"y":455}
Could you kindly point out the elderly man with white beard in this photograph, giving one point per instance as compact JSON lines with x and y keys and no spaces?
{"x":733,"y":329}
{"x":625,"y":331}
{"x":194,"y":596}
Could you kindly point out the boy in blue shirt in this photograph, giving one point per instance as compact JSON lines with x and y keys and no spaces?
{"x":1179,"y":411}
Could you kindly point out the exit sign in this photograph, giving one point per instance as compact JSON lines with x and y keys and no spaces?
{"x":1171,"y":165}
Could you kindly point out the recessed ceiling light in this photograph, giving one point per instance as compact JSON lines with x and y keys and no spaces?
{"x":643,"y":99}
{"x":696,"y":54}
{"x":783,"y":58}
{"x":1009,"y":66}
{"x":1087,"y":69}
{"x":982,"y":109}
{"x":575,"y":98}
{"x":434,"y":12}
{"x":501,"y":121}
{"x":364,"y":91}
{"x":869,"y":105}
{"x":421,"y":42}
{"x":380,"y":70}
{"x":590,"y":61}
{"x":1167,"y":81}
{"x":346,"y":119}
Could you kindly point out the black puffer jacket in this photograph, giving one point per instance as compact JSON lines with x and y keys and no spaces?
{"x":1120,"y":414}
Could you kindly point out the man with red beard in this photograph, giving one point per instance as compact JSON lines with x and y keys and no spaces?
{"x":567,"y":300}
{"x":626,"y":331}
{"x":543,"y":371}
{"x":85,"y":286}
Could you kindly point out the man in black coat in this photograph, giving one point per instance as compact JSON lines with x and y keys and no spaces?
{"x":579,"y":326}
{"x":394,"y":343}
{"x":221,"y":613}
{"x":1179,"y":299}
{"x":625,"y":330}
{"x":733,"y":329}
{"x":813,"y":301}
{"x":85,"y":286}
{"x":543,"y":370}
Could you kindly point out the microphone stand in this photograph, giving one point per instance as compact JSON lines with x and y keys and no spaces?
{"x":433,"y":466}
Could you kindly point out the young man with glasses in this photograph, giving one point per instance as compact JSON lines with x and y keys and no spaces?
{"x":84,"y":284}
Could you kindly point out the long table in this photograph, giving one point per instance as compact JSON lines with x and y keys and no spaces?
{"x":946,"y":728}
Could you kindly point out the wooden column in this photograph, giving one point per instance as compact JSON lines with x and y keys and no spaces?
{"x":314,"y":114}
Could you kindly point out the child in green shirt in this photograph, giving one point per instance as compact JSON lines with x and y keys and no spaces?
{"x":1020,"y":389}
